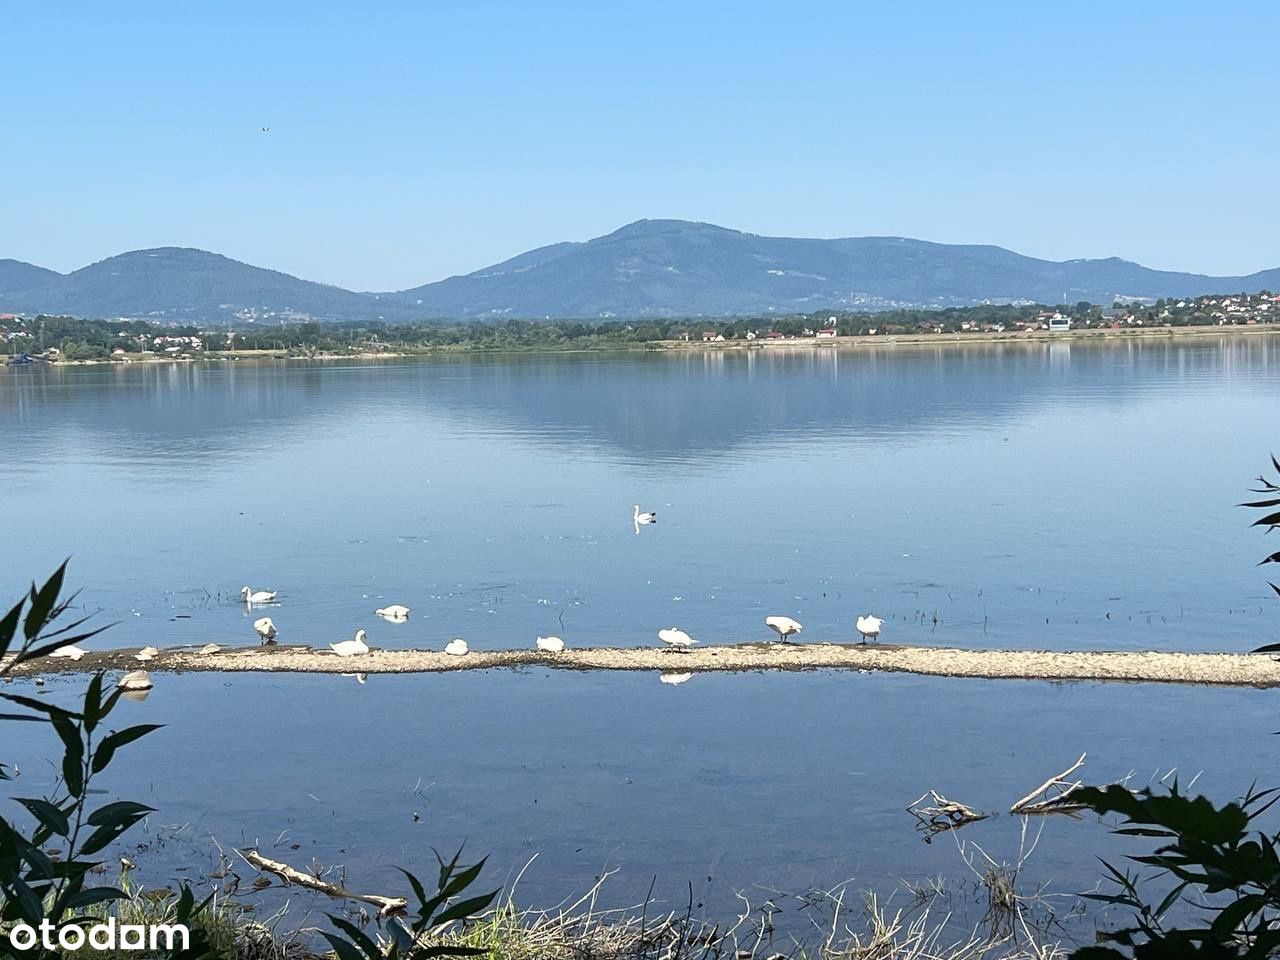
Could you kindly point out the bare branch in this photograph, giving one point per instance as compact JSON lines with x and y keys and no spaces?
{"x":387,"y":906}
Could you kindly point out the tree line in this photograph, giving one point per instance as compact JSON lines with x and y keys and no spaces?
{"x":86,"y":339}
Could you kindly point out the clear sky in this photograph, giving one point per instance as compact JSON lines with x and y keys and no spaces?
{"x":409,"y":141}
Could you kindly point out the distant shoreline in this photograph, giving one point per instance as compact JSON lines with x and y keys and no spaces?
{"x":1013,"y":336}
{"x":655,"y":346}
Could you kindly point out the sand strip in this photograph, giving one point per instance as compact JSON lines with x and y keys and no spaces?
{"x":1215,"y":668}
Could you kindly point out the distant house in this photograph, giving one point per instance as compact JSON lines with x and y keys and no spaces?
{"x":711,"y":336}
{"x":827,"y":333}
{"x":773,"y":335}
{"x":1059,"y":323}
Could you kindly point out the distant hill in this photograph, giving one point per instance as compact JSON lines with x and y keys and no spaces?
{"x":16,"y":277}
{"x":673,"y":267}
{"x":651,"y":268}
{"x":175,"y":283}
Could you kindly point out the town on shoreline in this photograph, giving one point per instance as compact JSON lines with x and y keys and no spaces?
{"x":58,"y":339}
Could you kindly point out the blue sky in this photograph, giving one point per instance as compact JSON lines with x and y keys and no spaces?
{"x":411,"y":141}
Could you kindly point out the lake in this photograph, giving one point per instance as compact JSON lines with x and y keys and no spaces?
{"x":1059,"y":495}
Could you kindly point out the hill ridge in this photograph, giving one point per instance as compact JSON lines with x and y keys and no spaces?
{"x":646,"y":268}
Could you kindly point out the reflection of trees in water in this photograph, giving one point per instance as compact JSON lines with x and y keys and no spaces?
{"x":663,"y":405}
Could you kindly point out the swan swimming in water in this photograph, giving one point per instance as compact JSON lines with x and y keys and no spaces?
{"x":456,"y":648}
{"x":550,"y":644}
{"x":783,"y":626}
{"x":351,"y":648}
{"x":264,"y":628}
{"x":675,"y":637}
{"x":869,"y":626}
{"x":638,"y":517}
{"x":135,"y":680}
{"x":249,"y":595}
{"x":395,"y":611}
{"x":69,"y":652}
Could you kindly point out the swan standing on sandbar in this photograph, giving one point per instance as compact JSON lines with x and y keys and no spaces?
{"x":676,"y":638}
{"x":869,"y":626}
{"x":396,"y":611}
{"x":550,"y":644}
{"x":351,"y":648}
{"x":69,"y":652}
{"x":250,"y":595}
{"x":264,"y":628}
{"x":456,"y":648}
{"x":783,"y":626}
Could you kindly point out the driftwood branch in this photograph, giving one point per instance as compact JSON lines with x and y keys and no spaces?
{"x":387,"y":906}
{"x":943,"y":815}
{"x":1052,"y":796}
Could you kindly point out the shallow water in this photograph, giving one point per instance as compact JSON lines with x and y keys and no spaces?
{"x":769,"y":785}
{"x":987,"y":496}
{"x":1019,"y":494}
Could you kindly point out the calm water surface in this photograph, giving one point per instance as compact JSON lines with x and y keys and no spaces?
{"x":1060,"y":495}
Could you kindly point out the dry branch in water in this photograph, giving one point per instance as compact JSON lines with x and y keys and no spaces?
{"x":944,"y":815}
{"x":1057,"y":801}
{"x":386,"y":905}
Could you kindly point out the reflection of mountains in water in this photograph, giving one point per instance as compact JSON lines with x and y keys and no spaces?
{"x":658,"y":405}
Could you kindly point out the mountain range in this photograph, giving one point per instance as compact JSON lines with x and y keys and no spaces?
{"x":650,"y":268}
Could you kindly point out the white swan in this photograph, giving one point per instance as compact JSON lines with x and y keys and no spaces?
{"x":396,"y":611}
{"x":69,"y":652}
{"x":146,"y":653}
{"x":249,"y":595}
{"x":456,"y":648}
{"x":135,"y":680}
{"x":674,"y":677}
{"x":550,"y":644}
{"x":869,"y":626}
{"x":351,"y":648}
{"x":208,"y":649}
{"x":783,"y":626}
{"x":675,"y":637}
{"x":638,"y":517}
{"x":265,"y":629}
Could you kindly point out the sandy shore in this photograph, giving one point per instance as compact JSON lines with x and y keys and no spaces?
{"x":1096,"y":335}
{"x":1143,"y":666}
